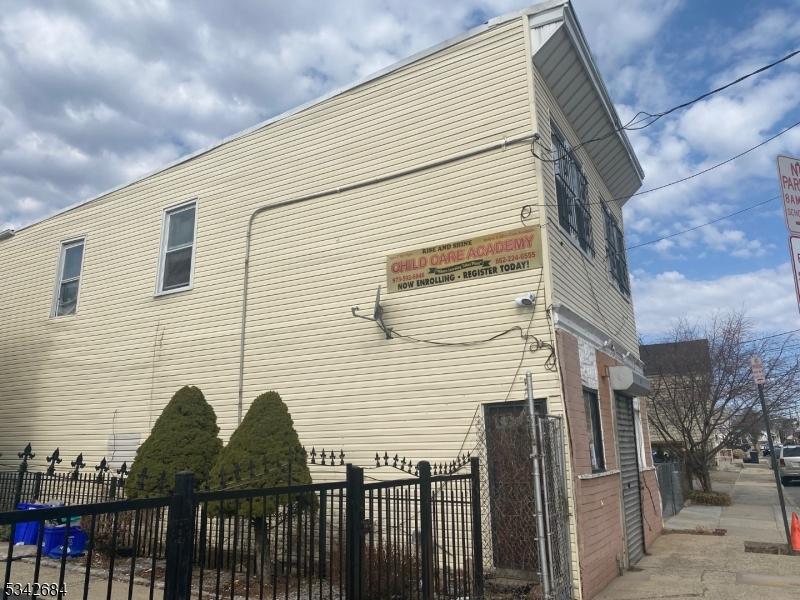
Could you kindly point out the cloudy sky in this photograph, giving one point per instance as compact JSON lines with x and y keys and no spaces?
{"x":94,"y":94}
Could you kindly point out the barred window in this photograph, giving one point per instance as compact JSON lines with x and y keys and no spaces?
{"x":615,"y":252}
{"x":571,"y":192}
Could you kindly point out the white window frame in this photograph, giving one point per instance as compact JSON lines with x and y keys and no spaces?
{"x":63,"y":247}
{"x":639,"y":430}
{"x":162,"y":253}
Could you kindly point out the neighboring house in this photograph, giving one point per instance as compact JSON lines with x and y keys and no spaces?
{"x":235,"y":269}
{"x":668,"y":362}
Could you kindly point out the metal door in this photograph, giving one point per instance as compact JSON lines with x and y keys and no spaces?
{"x":629,"y":468}
{"x":510,"y":470}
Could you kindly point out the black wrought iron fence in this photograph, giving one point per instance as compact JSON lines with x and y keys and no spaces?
{"x":80,"y":483}
{"x":416,"y":537}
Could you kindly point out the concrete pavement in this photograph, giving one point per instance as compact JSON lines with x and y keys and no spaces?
{"x":707,"y":566}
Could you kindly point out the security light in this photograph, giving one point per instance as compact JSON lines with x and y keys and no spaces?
{"x":527,"y":299}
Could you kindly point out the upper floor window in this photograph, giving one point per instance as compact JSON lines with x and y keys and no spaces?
{"x":615,"y":252}
{"x":70,"y":264}
{"x":177,"y":249}
{"x":571,"y":192}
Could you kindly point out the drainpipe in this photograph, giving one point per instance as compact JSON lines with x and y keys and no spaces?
{"x":501,"y":144}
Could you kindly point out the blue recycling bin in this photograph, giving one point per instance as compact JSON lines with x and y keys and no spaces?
{"x":26,"y":533}
{"x":56,"y":537}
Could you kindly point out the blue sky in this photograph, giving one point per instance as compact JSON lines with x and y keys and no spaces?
{"x":75,"y":122}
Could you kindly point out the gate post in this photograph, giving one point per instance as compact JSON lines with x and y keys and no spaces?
{"x":426,"y":523}
{"x":354,"y":539}
{"x":180,"y":536}
{"x":477,"y":534}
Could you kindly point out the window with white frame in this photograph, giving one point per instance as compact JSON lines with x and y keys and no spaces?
{"x":177,"y":248}
{"x":70,"y":264}
{"x":594,"y":430}
{"x":637,"y":422}
{"x":571,"y":192}
{"x":615,"y":252}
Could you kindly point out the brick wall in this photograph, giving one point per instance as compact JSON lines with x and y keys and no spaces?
{"x":598,"y":498}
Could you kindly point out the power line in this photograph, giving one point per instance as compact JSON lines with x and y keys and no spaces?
{"x":696,"y":227}
{"x":682,"y":179}
{"x":655,"y":117}
{"x":711,"y":168}
{"x":651,"y":118}
{"x":769,"y":337}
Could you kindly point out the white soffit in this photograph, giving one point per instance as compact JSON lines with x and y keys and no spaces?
{"x":561,"y":55}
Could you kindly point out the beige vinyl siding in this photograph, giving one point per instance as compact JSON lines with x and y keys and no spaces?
{"x":580,"y":281}
{"x":73,"y":381}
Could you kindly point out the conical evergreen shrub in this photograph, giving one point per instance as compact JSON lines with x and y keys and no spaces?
{"x":267,"y":443}
{"x":184,"y":438}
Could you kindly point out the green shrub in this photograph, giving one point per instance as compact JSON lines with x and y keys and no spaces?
{"x":738,"y":453}
{"x":184,"y":438}
{"x":710,"y":498}
{"x":267,"y":438}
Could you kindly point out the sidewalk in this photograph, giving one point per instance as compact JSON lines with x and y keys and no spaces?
{"x":706,"y":566}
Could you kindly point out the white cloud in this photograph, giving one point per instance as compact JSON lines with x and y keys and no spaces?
{"x":617,"y":32}
{"x":766,"y":295}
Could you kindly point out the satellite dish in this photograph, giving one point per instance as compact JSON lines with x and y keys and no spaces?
{"x":377,"y":315}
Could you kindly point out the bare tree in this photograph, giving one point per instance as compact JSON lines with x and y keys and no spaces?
{"x":703,"y":394}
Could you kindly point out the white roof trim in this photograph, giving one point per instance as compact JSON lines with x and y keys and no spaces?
{"x":575,"y":31}
{"x":536,"y":8}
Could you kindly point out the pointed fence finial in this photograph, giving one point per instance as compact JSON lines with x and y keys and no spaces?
{"x":101,"y":468}
{"x":53,"y":460}
{"x":77,"y":465}
{"x":26,"y":453}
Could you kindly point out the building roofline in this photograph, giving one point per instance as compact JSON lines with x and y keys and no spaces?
{"x":576,"y":32}
{"x":533,"y":9}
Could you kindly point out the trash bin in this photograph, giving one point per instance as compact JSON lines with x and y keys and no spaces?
{"x":753,"y":456}
{"x":56,"y":537}
{"x":27,"y":533}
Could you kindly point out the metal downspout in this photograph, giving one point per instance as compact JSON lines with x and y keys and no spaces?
{"x":502,"y":144}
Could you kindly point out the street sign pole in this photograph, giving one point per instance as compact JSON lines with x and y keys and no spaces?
{"x":758,"y":376}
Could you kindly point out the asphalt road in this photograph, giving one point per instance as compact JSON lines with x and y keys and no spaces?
{"x":791,"y":493}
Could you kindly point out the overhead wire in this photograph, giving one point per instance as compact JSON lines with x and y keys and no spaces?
{"x":716,"y":166}
{"x":651,"y":118}
{"x":696,"y":227}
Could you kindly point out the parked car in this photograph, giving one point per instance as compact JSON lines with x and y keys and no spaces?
{"x":788,"y":463}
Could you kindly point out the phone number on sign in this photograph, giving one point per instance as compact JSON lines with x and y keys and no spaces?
{"x":37,"y":589}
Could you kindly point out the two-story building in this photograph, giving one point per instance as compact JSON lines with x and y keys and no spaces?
{"x":480,"y":183}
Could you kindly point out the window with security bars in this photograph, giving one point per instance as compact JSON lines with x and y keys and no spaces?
{"x":615,"y":252}
{"x":571,"y":192}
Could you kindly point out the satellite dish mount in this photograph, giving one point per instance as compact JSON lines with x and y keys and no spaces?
{"x":377,"y":315}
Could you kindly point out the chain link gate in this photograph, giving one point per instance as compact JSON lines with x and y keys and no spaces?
{"x":525,"y":509}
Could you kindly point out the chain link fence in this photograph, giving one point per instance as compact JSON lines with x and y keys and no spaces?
{"x":670,"y":478}
{"x":525,"y":521}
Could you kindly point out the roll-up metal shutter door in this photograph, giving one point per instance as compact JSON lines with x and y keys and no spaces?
{"x":629,"y":467}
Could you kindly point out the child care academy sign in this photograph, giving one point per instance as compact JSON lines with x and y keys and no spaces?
{"x":485,"y":256}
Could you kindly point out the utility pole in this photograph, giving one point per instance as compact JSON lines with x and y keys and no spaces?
{"x":757,"y":368}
